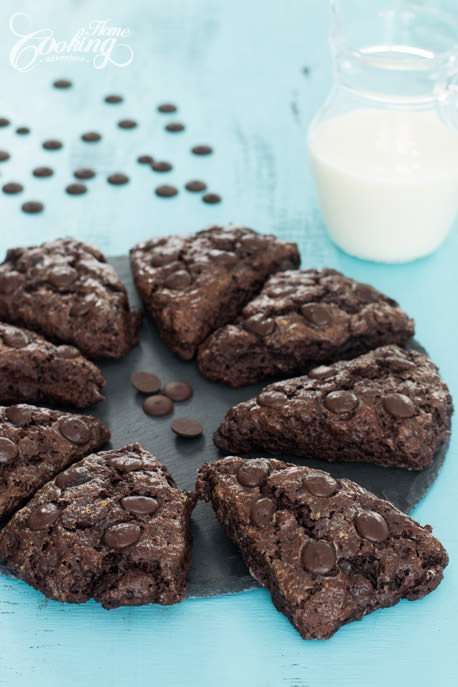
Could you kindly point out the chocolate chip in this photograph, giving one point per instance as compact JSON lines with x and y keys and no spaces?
{"x":67,"y":351}
{"x":271,"y":399}
{"x":341,"y":402}
{"x":211,"y":198}
{"x":177,"y":280}
{"x":365,"y":292}
{"x":75,"y":430}
{"x":62,"y":83}
{"x":9,"y":281}
{"x":4,"y":121}
{"x":145,"y":159}
{"x":52,"y":144}
{"x":84,"y":173}
{"x":4,"y":156}
{"x":167,"y":108}
{"x":122,"y":535}
{"x":62,"y":276}
{"x":320,"y":484}
{"x":43,"y":516}
{"x":259,"y":325}
{"x":174,"y":127}
{"x":186,"y":428}
{"x":42,"y":172}
{"x":223,"y":257}
{"x":317,"y":313}
{"x":164,"y":258}
{"x":262,"y":511}
{"x":252,"y":474}
{"x":321,"y":372}
{"x":23,"y":130}
{"x":399,"y":405}
{"x":318,"y":557}
{"x":145,"y":382}
{"x":80,"y":308}
{"x":91,"y":137}
{"x":125,"y":464}
{"x":166,"y":191}
{"x":12,"y":187}
{"x":372,"y":526}
{"x":140,"y":505}
{"x":74,"y":476}
{"x":118,"y":179}
{"x":113,"y":99}
{"x":398,"y":363}
{"x":8,"y":450}
{"x":202,"y":150}
{"x":127,"y":124}
{"x":32,"y":207}
{"x":161,"y":166}
{"x":19,"y":415}
{"x":15,"y":338}
{"x":157,"y":405}
{"x":195,"y":186}
{"x":76,"y":189}
{"x":178,"y":391}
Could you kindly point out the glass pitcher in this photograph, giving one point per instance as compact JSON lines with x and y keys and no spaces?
{"x":384,"y":146}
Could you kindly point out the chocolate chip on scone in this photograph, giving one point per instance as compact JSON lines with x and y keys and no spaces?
{"x":113,"y":527}
{"x":192,"y":284}
{"x":34,"y":370}
{"x":67,"y":291}
{"x":36,"y":444}
{"x":388,"y":407}
{"x":302,"y":318}
{"x":328,"y":551}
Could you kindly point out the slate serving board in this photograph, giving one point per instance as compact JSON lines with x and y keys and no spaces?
{"x":217,"y":567}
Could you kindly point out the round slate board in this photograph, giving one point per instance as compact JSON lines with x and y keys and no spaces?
{"x":217,"y":567}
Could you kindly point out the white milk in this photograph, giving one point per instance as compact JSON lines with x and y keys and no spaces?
{"x":387,"y":181}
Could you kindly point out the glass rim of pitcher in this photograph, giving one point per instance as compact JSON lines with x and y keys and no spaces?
{"x":338,"y":39}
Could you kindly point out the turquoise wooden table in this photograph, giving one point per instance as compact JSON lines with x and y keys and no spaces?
{"x":247,"y":76}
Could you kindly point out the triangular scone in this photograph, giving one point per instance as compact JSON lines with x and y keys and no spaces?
{"x":33,"y":370}
{"x":328,"y":551}
{"x":194,"y":283}
{"x":388,"y":407}
{"x":113,"y":527}
{"x":67,"y":291}
{"x":300,"y":319}
{"x":36,"y":444}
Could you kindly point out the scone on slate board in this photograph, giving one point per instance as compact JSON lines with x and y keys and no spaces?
{"x":302,"y":318}
{"x":113,"y":527}
{"x":67,"y":291}
{"x":34,"y":370}
{"x":192,"y":284}
{"x":387,"y":407}
{"x":328,"y":551}
{"x":36,"y":444}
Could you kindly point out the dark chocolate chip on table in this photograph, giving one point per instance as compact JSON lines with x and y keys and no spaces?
{"x":167,"y":108}
{"x":145,"y":382}
{"x":127,"y":124}
{"x":174,"y":127}
{"x":211,"y":198}
{"x":12,"y":187}
{"x":62,"y":83}
{"x":32,"y":206}
{"x":145,"y":160}
{"x":84,"y":173}
{"x":23,"y":130}
{"x":42,"y":172}
{"x":202,"y":150}
{"x":4,"y":156}
{"x":161,"y":166}
{"x":8,"y":450}
{"x":186,"y":427}
{"x":113,"y":99}
{"x":19,"y":415}
{"x":195,"y":186}
{"x":91,"y":137}
{"x":157,"y":405}
{"x":166,"y":191}
{"x":4,"y":121}
{"x":118,"y":179}
{"x":178,"y":391}
{"x":52,"y":144}
{"x":76,"y":189}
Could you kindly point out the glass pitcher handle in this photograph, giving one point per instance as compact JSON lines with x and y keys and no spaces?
{"x":448,"y":100}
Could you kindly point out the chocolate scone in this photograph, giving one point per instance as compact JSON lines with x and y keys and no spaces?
{"x":113,"y":527}
{"x":328,"y":551}
{"x":192,"y":284}
{"x":36,"y":444}
{"x":33,"y":370}
{"x":302,"y":318}
{"x":388,"y":407}
{"x":67,"y":291}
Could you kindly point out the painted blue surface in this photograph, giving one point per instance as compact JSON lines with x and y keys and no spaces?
{"x":236,"y":71}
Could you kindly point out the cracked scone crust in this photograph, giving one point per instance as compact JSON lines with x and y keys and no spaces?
{"x":192,"y":284}
{"x":302,"y":318}
{"x":34,"y":370}
{"x":36,"y":444}
{"x":67,"y":291}
{"x":113,"y":527}
{"x":328,"y":551}
{"x":388,"y":407}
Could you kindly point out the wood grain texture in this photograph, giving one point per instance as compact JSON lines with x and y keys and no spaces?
{"x":236,"y":70}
